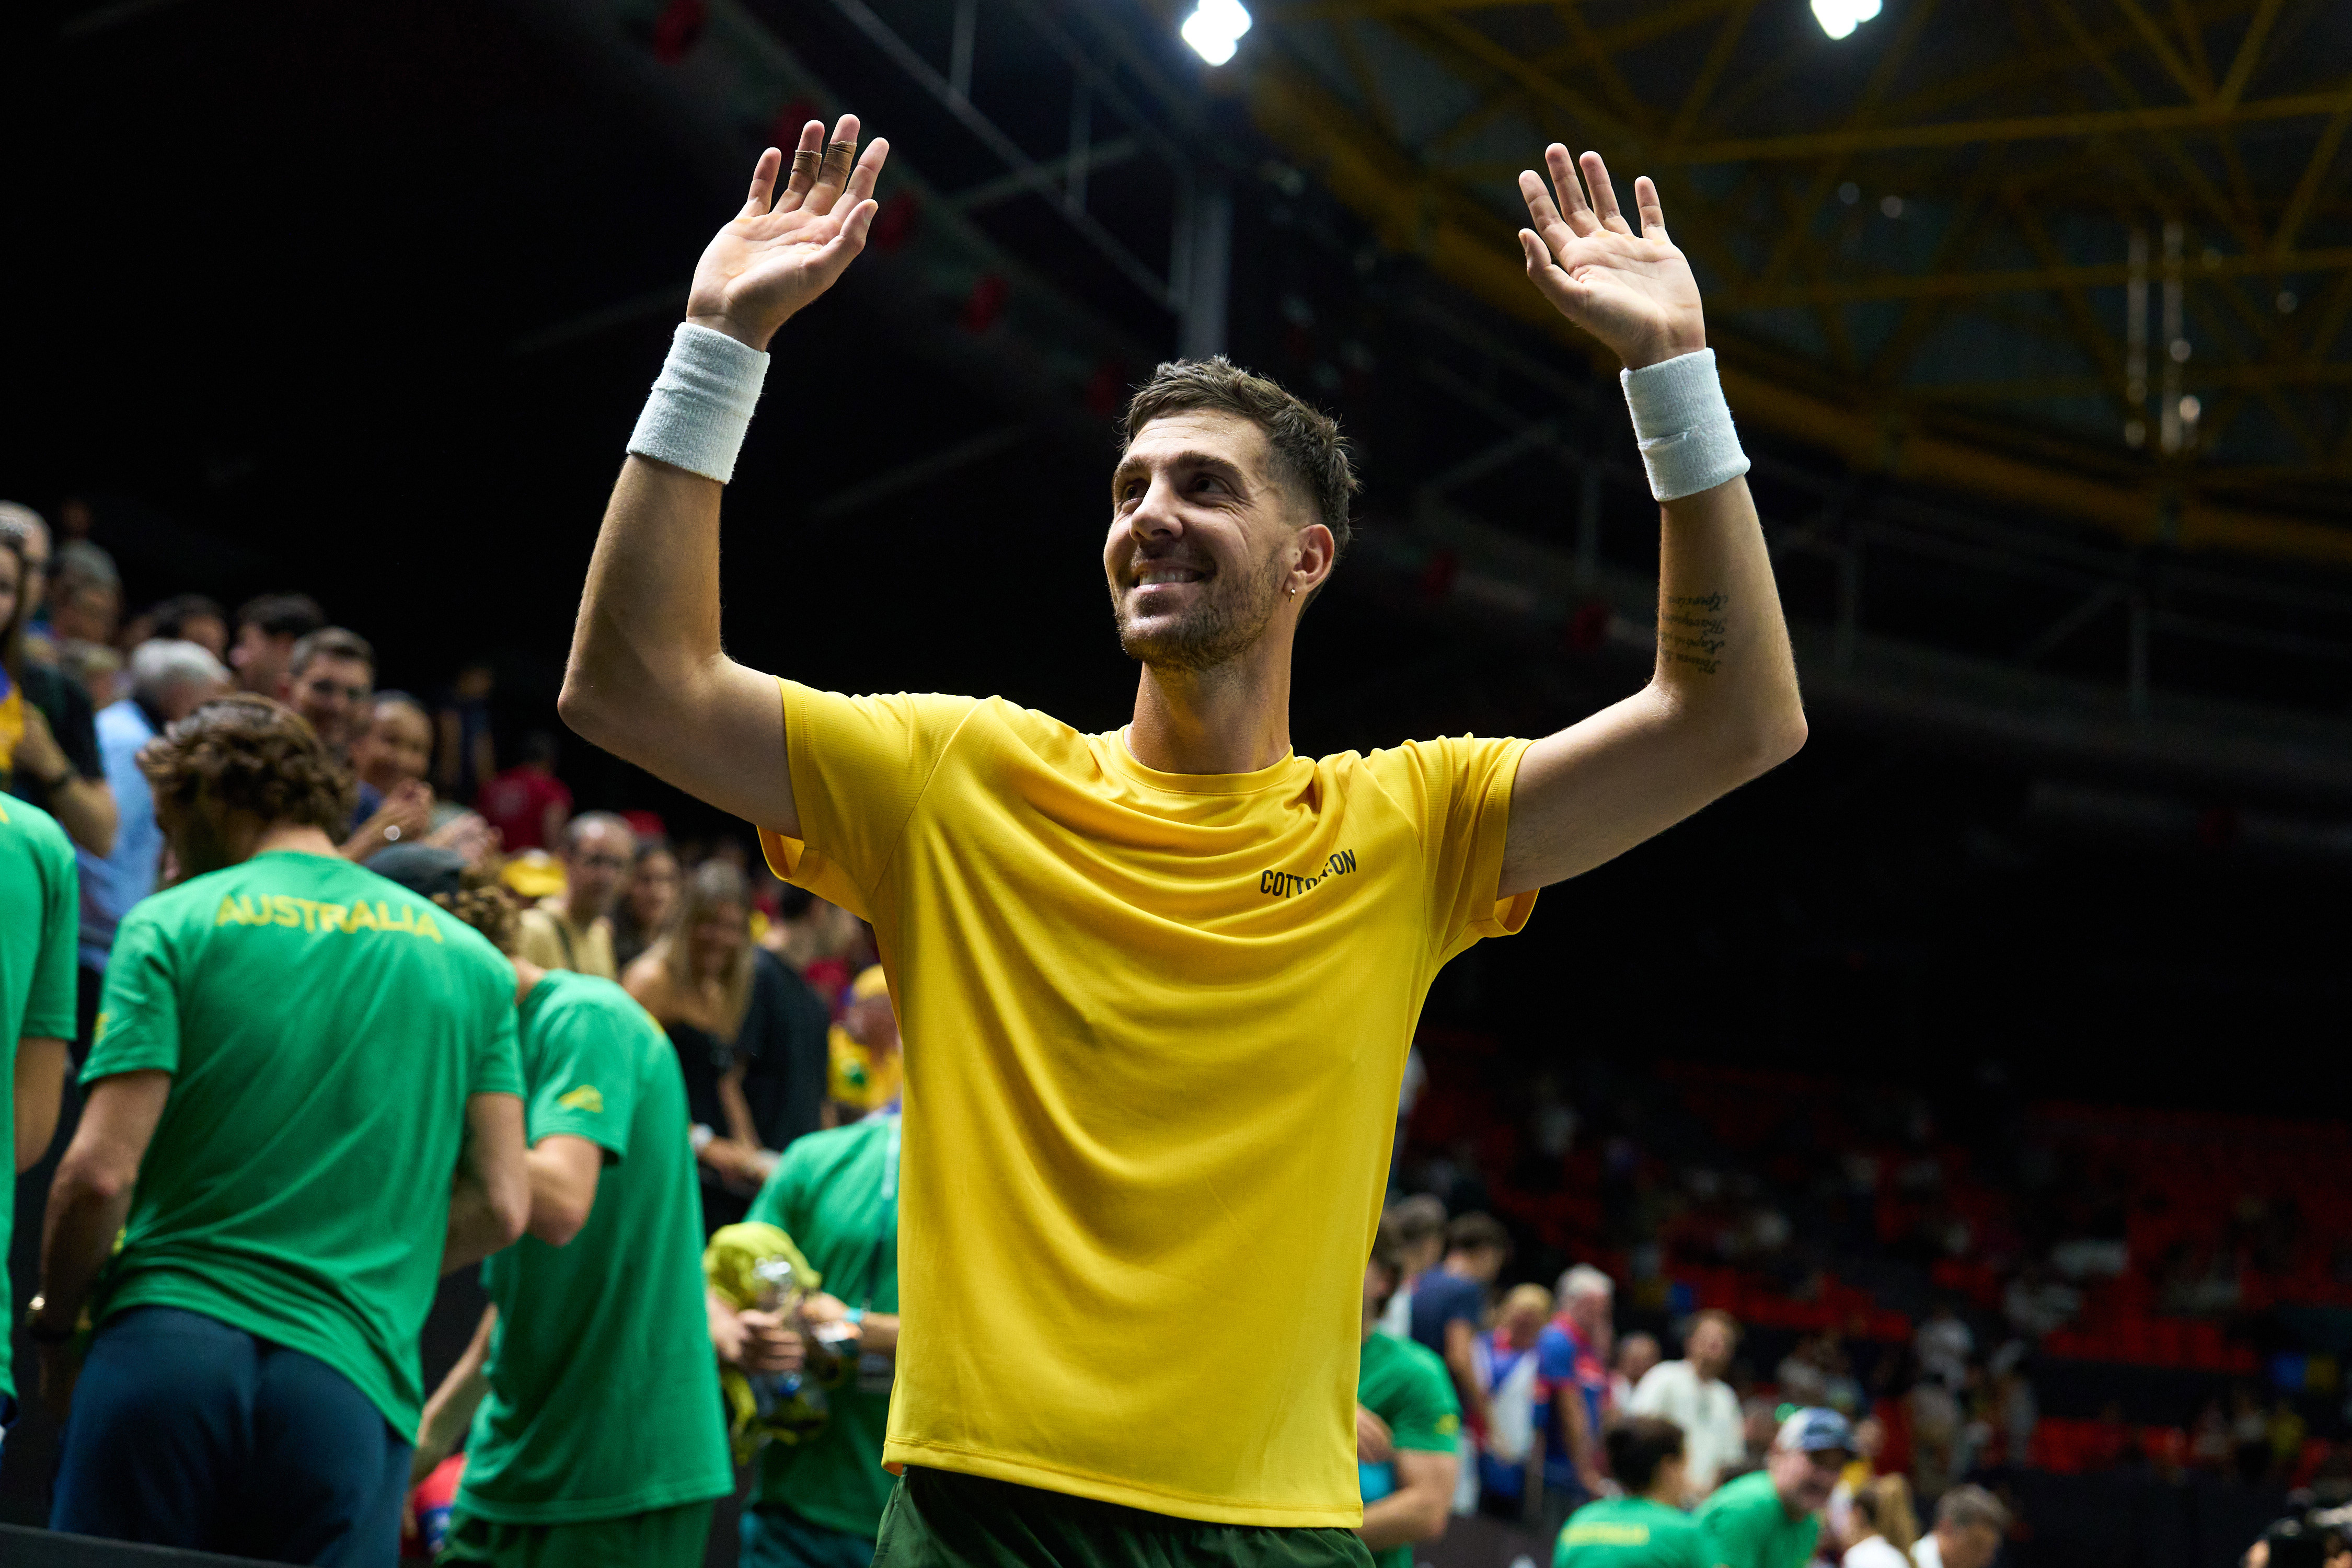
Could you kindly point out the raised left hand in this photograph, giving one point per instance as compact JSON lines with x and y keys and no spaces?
{"x":1633,"y":291}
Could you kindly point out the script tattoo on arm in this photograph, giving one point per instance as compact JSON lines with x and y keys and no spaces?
{"x":1692,"y":630}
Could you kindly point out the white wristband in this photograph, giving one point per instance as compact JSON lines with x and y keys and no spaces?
{"x":702,"y":402}
{"x":1684,"y":424}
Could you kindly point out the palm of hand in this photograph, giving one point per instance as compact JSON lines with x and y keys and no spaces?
{"x":760,"y":266}
{"x":1635,"y":288}
{"x":1633,"y":291}
{"x":787,"y":247}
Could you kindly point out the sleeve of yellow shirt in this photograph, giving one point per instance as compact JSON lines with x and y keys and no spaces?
{"x":859,"y":766}
{"x":1460,"y":789}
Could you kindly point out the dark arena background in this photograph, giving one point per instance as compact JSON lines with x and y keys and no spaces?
{"x":2017,"y":1000}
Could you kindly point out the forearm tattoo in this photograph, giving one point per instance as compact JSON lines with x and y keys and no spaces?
{"x":1691,"y":631}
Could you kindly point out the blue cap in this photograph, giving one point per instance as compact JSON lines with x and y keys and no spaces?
{"x":1814,"y":1431}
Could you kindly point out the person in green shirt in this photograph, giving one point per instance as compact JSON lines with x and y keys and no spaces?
{"x":589,"y":1386}
{"x":1772,"y":1518}
{"x":303,"y":1107}
{"x":818,"y":1503}
{"x":39,"y":920}
{"x":1646,"y":1528}
{"x":1408,"y":1426}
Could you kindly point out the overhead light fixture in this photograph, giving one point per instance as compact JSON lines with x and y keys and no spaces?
{"x":1839,"y":18}
{"x":1216,"y":27}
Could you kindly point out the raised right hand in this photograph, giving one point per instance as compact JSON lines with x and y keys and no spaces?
{"x":781,"y":252}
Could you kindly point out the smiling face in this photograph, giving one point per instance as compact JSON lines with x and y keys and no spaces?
{"x":397,"y":747}
{"x":1206,"y":542}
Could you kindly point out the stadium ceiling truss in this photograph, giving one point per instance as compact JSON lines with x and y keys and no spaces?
{"x":2089,"y":258}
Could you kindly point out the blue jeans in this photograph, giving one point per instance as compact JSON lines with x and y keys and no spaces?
{"x":186,"y":1432}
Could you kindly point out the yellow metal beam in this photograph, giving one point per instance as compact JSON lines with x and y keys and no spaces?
{"x":2020,"y":128}
{"x":2016,"y":280}
{"x":1397,"y":201}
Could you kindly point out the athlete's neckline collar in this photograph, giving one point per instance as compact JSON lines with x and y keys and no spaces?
{"x":1272,"y":776}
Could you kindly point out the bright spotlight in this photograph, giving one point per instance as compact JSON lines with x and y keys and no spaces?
{"x":1216,"y":26}
{"x":1839,"y":18}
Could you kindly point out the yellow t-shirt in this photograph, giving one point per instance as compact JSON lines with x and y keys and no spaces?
{"x":1154,"y":1028}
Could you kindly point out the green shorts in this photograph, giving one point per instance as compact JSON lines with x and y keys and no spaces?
{"x":938,"y":1518}
{"x":665,"y":1538}
{"x":776,"y":1537}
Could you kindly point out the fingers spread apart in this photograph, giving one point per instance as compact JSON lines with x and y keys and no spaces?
{"x":1571,"y":178}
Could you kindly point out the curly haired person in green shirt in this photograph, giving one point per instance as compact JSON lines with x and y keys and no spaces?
{"x":304,"y":1107}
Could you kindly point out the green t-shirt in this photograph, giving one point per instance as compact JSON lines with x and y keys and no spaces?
{"x":836,"y":1196}
{"x":1747,"y":1527}
{"x":1405,"y":1385}
{"x":603,"y":1396}
{"x":323,"y":1028}
{"x":40,"y":904}
{"x":1631,"y":1532}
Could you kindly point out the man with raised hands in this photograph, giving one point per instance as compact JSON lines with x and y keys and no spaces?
{"x":1157,"y":984}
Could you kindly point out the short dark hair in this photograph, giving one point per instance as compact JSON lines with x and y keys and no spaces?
{"x":248,"y":754}
{"x":169,"y":617}
{"x":1309,"y":451}
{"x":1638,"y":1445}
{"x":1472,"y":1231}
{"x":1414,"y":1220}
{"x":1388,"y":1256}
{"x":330,"y":642}
{"x":281,"y":614}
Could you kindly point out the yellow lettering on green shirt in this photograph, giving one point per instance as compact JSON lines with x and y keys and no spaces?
{"x":229,"y":914}
{"x":330,"y":917}
{"x":1603,"y":1535}
{"x":586,"y":1098}
{"x":384,"y":916}
{"x":361,"y":917}
{"x":286,"y":911}
{"x":427,"y":926}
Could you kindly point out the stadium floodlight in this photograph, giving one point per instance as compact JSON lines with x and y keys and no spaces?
{"x":1214,"y":28}
{"x":1839,"y":18}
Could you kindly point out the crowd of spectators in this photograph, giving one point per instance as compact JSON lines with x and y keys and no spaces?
{"x":745,"y":973}
{"x":778,"y":1014}
{"x":1989,"y":1289}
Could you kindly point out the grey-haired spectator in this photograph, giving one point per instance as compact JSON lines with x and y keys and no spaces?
{"x":1970,"y":1524}
{"x":262,"y":642}
{"x":573,"y":929}
{"x":169,"y":680}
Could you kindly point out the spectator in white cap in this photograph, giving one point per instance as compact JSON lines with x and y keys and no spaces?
{"x":1772,"y":1518}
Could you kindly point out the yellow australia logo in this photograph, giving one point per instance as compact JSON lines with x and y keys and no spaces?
{"x":307,"y":914}
{"x":586,"y":1098}
{"x":1448,"y":1425}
